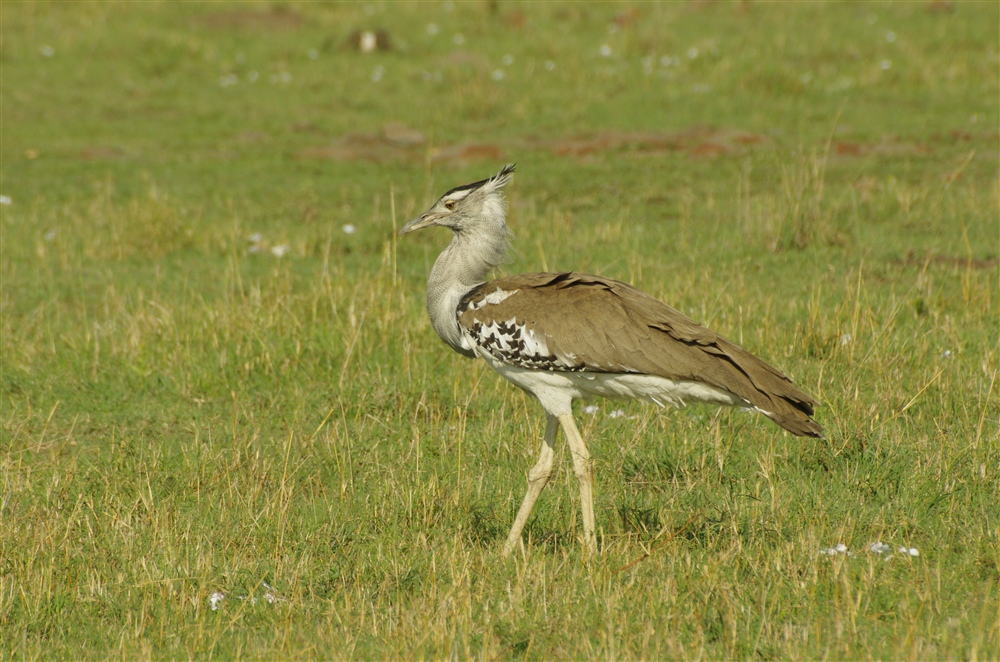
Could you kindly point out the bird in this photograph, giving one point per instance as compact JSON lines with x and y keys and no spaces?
{"x":570,"y":336}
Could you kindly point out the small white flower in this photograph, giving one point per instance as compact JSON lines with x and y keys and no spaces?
{"x":349,"y":228}
{"x":255,"y":248}
{"x":841,"y":547}
{"x":550,"y":65}
{"x":458,"y":39}
{"x":378,"y":73}
{"x":271,"y":595}
{"x":47,"y":51}
{"x":50,"y":235}
{"x":5,"y":200}
{"x":590,"y":409}
{"x":497,"y":74}
{"x":692,"y":53}
{"x":947,"y":354}
{"x":433,"y":29}
{"x":313,"y":54}
{"x":879,"y":548}
{"x":507,"y":60}
{"x":229,"y":80}
{"x":890,"y":36}
{"x":605,"y":50}
{"x":253,"y":76}
{"x":666,"y":61}
{"x":255,"y":238}
{"x":368,"y":43}
{"x":913,"y":551}
{"x":280,"y":251}
{"x":885,"y":64}
{"x":215,"y":599}
{"x":617,"y":413}
{"x":448,"y":6}
{"x":845,"y":340}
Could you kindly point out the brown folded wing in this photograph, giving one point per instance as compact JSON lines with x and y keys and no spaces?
{"x":578,"y":322}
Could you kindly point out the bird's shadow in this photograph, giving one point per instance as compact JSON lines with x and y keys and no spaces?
{"x":487,"y":529}
{"x":483,"y":527}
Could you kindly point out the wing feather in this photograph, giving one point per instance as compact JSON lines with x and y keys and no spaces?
{"x":595,"y":324}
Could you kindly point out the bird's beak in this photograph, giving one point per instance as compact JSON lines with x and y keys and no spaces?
{"x":420,"y":223}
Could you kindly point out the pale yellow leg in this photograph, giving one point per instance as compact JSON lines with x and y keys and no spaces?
{"x":581,"y":465}
{"x":537,"y":478}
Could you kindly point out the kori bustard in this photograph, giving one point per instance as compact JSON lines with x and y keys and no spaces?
{"x":566,"y":336}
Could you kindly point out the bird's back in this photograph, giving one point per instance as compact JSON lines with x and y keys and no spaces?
{"x":578,"y":323}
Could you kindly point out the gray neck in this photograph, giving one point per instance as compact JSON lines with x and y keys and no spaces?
{"x":467,"y":262}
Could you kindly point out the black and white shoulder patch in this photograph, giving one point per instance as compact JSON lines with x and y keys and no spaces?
{"x":490,"y":326}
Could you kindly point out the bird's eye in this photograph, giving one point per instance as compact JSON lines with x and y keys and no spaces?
{"x":450,"y":204}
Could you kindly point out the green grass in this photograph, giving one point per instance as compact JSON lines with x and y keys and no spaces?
{"x":184,"y":412}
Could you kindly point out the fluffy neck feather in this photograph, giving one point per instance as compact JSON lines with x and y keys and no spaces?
{"x":477,"y":247}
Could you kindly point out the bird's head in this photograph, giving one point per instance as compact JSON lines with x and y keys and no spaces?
{"x":463,"y":208}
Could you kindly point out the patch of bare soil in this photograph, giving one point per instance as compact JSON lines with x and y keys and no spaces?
{"x":357,"y":147}
{"x":916,"y":259}
{"x":275,"y":17}
{"x":888,"y":146}
{"x":398,"y":142}
{"x":696,"y":141}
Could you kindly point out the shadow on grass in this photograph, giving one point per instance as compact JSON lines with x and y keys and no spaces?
{"x":484,"y":527}
{"x":487,"y":529}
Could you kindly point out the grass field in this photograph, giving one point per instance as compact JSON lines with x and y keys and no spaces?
{"x":218,"y":377}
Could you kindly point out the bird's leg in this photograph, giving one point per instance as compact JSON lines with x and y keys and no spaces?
{"x":537,"y":478}
{"x":581,"y":465}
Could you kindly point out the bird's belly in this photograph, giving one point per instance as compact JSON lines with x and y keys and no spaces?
{"x":556,"y":390}
{"x":652,"y":388}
